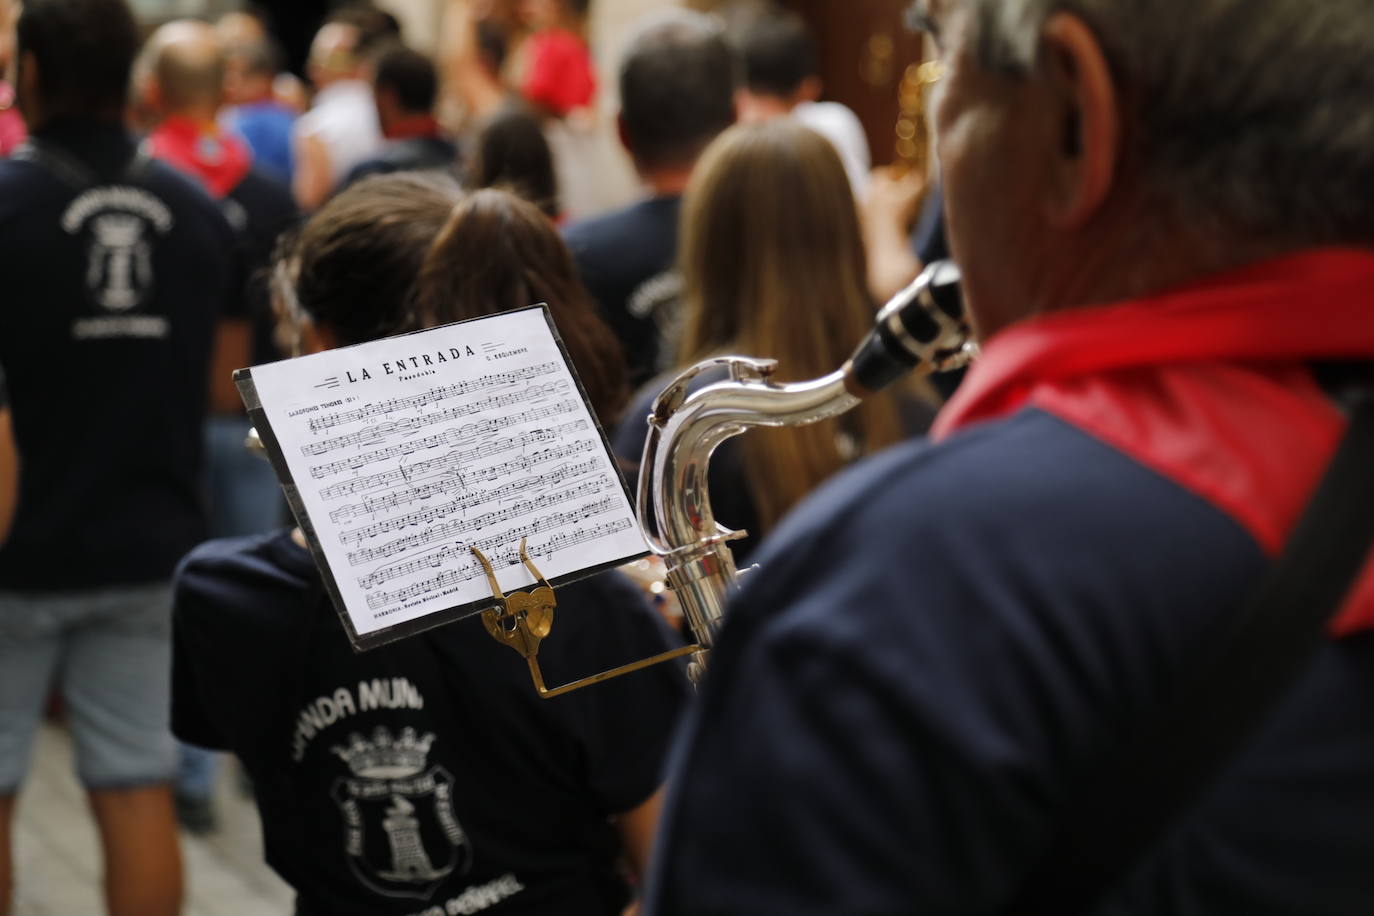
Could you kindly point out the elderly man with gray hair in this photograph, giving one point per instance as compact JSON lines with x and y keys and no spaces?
{"x":980,"y":675}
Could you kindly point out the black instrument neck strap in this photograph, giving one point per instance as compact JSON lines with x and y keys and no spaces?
{"x":1130,"y":806}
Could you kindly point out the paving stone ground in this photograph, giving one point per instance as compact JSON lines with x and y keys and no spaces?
{"x":57,"y":860}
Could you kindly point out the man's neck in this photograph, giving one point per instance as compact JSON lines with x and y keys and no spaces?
{"x":1132,"y":259}
{"x":204,"y":118}
{"x":667,"y":181}
{"x":757,"y":106}
{"x":412,"y":127}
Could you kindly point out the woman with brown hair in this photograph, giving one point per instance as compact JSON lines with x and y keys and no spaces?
{"x":511,"y":152}
{"x":262,"y":666}
{"x":773,"y":267}
{"x":498,"y":251}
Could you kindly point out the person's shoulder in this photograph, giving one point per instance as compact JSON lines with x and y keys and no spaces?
{"x":1027,"y":497}
{"x":16,"y":173}
{"x":21,"y":184}
{"x":975,"y":471}
{"x":263,"y":188}
{"x":185,"y":194}
{"x":312,"y":122}
{"x":627,"y":225}
{"x":267,"y":203}
{"x":591,"y":231}
{"x":833,"y":115}
{"x":241,"y":575}
{"x":627,"y":439}
{"x":1025,"y":537}
{"x":376,"y":165}
{"x":270,"y":115}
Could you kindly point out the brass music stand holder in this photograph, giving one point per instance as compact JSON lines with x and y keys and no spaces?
{"x":521,"y":620}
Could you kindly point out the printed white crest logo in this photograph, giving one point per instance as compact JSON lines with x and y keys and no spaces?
{"x":119,"y":270}
{"x":402,"y":839}
{"x":120,"y":223}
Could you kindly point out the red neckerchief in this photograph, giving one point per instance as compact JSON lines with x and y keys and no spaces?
{"x":421,"y":127}
{"x":1208,"y":385}
{"x":216,"y":157}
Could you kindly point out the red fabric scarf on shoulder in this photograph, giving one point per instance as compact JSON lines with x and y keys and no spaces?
{"x":1209,"y":385}
{"x":218,"y":159}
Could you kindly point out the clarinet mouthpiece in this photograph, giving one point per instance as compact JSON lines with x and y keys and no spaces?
{"x":921,"y":330}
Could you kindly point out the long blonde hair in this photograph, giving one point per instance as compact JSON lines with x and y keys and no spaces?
{"x":773,"y":266}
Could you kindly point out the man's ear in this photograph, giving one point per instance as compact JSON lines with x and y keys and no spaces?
{"x":810,"y":90}
{"x":1085,"y":102}
{"x":622,"y":133}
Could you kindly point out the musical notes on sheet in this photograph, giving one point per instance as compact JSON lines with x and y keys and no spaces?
{"x":473,"y":434}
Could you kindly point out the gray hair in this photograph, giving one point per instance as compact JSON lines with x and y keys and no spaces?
{"x":1254,"y":114}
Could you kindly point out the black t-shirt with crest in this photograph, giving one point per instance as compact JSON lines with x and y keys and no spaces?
{"x":115,"y":269}
{"x":424,"y":776}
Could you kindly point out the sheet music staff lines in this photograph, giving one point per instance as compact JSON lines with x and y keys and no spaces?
{"x":514,"y":511}
{"x":389,"y":428}
{"x":453,"y":459}
{"x":472,"y":434}
{"x":499,"y":553}
{"x":447,"y":437}
{"x":470,"y":500}
{"x":449,"y":478}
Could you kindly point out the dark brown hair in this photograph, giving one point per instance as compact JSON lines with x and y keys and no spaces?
{"x":84,"y":50}
{"x":354,"y":264}
{"x":512,"y":153}
{"x":499,"y":252}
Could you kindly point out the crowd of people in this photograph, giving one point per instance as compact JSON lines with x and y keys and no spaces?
{"x":976,"y":598}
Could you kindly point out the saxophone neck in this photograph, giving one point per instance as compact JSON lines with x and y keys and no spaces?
{"x":920,"y":331}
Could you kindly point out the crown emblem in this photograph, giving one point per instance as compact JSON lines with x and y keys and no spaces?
{"x":383,"y":757}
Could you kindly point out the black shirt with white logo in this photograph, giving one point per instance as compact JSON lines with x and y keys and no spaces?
{"x":424,"y":776}
{"x":115,"y":269}
{"x":627,"y":260}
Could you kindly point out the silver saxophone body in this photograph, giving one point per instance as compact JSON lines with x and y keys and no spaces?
{"x":920,"y":331}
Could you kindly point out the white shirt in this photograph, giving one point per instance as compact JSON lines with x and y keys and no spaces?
{"x":344,"y":118}
{"x":841,"y":127}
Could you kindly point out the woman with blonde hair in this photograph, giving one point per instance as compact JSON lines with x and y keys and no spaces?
{"x":773,"y":267}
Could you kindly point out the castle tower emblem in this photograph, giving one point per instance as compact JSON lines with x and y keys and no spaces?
{"x":400,"y":833}
{"x":119,"y":269}
{"x":410,"y":863}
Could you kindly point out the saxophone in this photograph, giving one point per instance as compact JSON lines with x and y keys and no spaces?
{"x":921,"y":330}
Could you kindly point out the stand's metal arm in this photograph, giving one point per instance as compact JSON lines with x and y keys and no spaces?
{"x":521,"y":620}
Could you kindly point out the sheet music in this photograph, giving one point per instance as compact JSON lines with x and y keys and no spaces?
{"x":407,"y":452}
